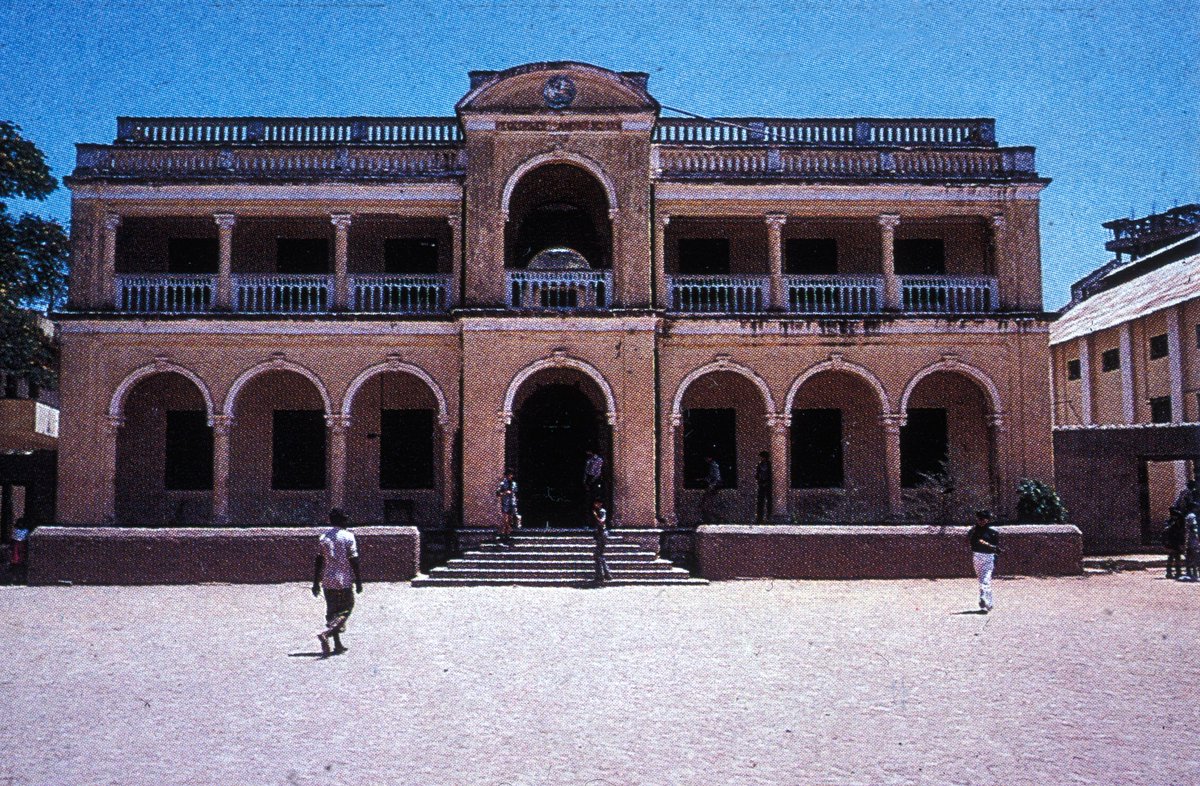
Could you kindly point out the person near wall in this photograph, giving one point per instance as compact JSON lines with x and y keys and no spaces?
{"x":506,"y":494}
{"x":1175,"y":540}
{"x":985,"y":543}
{"x":336,"y":570}
{"x":19,"y":554}
{"x":600,"y":532}
{"x":1188,"y":500}
{"x":763,"y":476}
{"x":593,"y":468}
{"x":712,"y":486}
{"x":1192,"y":560}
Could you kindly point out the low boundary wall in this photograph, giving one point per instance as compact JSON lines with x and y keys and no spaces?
{"x":259,"y":555}
{"x":879,"y":552}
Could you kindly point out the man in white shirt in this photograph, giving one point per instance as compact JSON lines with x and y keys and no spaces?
{"x":335,"y":571}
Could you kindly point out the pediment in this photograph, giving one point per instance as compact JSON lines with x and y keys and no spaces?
{"x":557,"y":88}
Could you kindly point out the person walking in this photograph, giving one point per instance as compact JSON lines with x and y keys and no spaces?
{"x":335,"y":570}
{"x":985,"y":543}
{"x":1192,"y":560}
{"x":712,"y":485}
{"x":762,"y":474}
{"x":19,"y":556}
{"x":1175,"y":540}
{"x":506,"y":493}
{"x":600,"y":532}
{"x":593,"y":468}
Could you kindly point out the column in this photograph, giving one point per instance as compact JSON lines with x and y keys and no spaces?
{"x":454,"y":296}
{"x":108,"y":469}
{"x":781,"y":479}
{"x":341,"y":282}
{"x":997,"y":471}
{"x":893,"y":298}
{"x":999,"y":262}
{"x":108,"y":270}
{"x":224,"y":295}
{"x":778,"y":296}
{"x":666,"y":468}
{"x":221,"y":426}
{"x":891,"y":452}
{"x":660,"y":262}
{"x":1175,"y":362}
{"x":1128,"y":403}
{"x":1085,"y":380}
{"x":338,"y":426}
{"x":447,"y":436}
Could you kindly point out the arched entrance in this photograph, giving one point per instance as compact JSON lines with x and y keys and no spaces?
{"x":559,"y":205}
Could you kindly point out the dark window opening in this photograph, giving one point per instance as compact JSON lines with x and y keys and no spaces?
{"x":1074,"y":369}
{"x":703,"y":256}
{"x":192,"y":255}
{"x":406,"y":449}
{"x":1159,"y":347}
{"x":1110,"y":360}
{"x":920,"y":257}
{"x":709,"y":432}
{"x":11,"y":389}
{"x":1197,"y":336}
{"x":924,"y":446}
{"x":301,"y":255}
{"x":817,"y":458}
{"x":1160,"y":409}
{"x":298,"y":449}
{"x":810,"y":257}
{"x":410,"y":255}
{"x":189,"y":447}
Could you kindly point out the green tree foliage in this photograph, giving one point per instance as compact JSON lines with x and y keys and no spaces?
{"x":1040,"y":503}
{"x":33,"y":260}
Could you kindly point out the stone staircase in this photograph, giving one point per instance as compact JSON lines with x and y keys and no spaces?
{"x":554,"y":559}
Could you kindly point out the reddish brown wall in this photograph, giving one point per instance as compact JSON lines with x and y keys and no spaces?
{"x":188,"y":556}
{"x":889,"y":552}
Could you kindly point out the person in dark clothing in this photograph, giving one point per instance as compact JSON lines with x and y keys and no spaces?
{"x":762,"y":474}
{"x":600,"y":531}
{"x":985,"y":543}
{"x":19,"y":556}
{"x":1174,"y":539}
{"x":712,"y":486}
{"x":593,"y":468}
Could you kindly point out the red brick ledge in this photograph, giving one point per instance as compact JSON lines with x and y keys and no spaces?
{"x":880,"y":552}
{"x":255,"y":555}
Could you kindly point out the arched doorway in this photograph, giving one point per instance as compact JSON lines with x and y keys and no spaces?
{"x":559,"y":206}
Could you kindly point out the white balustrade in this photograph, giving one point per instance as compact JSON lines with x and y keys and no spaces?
{"x":565,"y":290}
{"x":282,"y":294}
{"x":719,"y":294}
{"x":834,"y":294}
{"x":400,"y":294}
{"x":164,"y":293}
{"x":949,"y":294}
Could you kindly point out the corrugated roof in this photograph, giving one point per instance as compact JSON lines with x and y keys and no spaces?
{"x":1161,"y":288}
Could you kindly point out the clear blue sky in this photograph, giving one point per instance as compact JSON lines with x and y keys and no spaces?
{"x":1108,"y":92}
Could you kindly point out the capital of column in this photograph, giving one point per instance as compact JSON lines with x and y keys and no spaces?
{"x":889,"y":221}
{"x":114,"y":424}
{"x":779,"y":422}
{"x":676,"y":420}
{"x":340,"y":220}
{"x":998,"y":221}
{"x":225,"y":221}
{"x":664,"y":219}
{"x":112,"y":221}
{"x":995,"y":421}
{"x":892,"y":423}
{"x":776,"y":220}
{"x":455,"y":221}
{"x":222,"y":425}
{"x":337,"y":422}
{"x":504,"y":419}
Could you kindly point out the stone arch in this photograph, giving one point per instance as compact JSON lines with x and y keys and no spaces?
{"x":116,"y":406}
{"x":721,"y":365}
{"x":560,"y":360}
{"x":401,"y":368}
{"x":275,"y":364}
{"x":990,"y":391}
{"x":560,"y":157}
{"x":837,"y":364}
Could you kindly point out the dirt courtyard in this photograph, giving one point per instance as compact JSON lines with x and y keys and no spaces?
{"x":1090,"y":680}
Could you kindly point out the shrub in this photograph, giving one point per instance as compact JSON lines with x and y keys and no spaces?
{"x":1039,"y":502}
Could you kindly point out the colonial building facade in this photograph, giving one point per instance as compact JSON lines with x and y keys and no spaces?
{"x":269,"y":317}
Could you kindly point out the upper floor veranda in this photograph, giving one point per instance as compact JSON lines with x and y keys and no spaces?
{"x":556,"y":187}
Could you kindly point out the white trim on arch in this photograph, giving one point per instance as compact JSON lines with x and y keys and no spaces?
{"x":560,"y":360}
{"x":399,"y":367}
{"x":559,"y":157}
{"x":275,"y":364}
{"x":116,"y":406}
{"x":721,"y":364}
{"x":991,"y":392}
{"x":835,"y":363}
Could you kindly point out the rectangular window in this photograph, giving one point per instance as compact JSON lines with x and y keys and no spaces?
{"x":1159,"y":347}
{"x":1074,"y":370}
{"x":298,"y":449}
{"x":410,"y":255}
{"x":189,"y":451}
{"x":1110,"y":360}
{"x":406,"y":449}
{"x":924,"y":446}
{"x":192,"y":255}
{"x":709,"y":432}
{"x":703,"y":256}
{"x":301,"y":255}
{"x":810,"y":256}
{"x":817,"y":459}
{"x":920,"y":257}
{"x":1160,"y":409}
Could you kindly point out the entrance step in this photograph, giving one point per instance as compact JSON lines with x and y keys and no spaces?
{"x":561,"y":558}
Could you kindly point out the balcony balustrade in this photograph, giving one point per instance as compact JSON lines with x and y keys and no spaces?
{"x":567,"y":290}
{"x":282,"y":294}
{"x":949,"y":294}
{"x":719,"y":294}
{"x":164,"y":293}
{"x":397,"y":294}
{"x":834,"y":294}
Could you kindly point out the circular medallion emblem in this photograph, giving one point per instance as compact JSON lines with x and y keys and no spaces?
{"x":559,"y":91}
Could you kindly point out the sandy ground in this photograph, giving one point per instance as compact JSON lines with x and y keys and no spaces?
{"x":1080,"y":680}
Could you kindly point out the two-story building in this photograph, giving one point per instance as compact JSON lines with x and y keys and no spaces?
{"x":272,"y":316}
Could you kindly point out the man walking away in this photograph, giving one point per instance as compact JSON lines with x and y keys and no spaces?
{"x":985,"y":542}
{"x":593,"y":467}
{"x":600,"y":531}
{"x":762,"y":474}
{"x":1193,"y":548}
{"x":1175,"y":540}
{"x":712,"y":484}
{"x":335,"y":568}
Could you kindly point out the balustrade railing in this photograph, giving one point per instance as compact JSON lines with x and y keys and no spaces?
{"x":267,"y":163}
{"x":288,"y":130}
{"x":751,"y":162}
{"x":282,"y":294}
{"x":164,"y":293}
{"x":949,"y":294}
{"x":719,"y":294}
{"x":826,"y":132}
{"x":566,"y":290}
{"x":400,"y":294}
{"x":834,"y":294}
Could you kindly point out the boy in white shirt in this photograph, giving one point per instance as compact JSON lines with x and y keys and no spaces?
{"x":336,"y":567}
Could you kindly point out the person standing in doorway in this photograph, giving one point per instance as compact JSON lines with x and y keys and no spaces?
{"x":712,"y":485}
{"x":593,"y":468}
{"x":762,"y":474}
{"x":985,"y":543}
{"x":506,"y":493}
{"x":600,"y":532}
{"x":335,"y":571}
